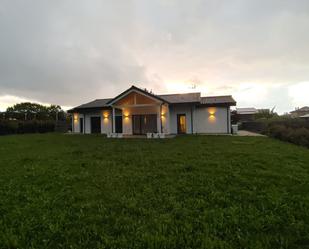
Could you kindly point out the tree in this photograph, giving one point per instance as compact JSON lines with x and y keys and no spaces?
{"x":266,"y":113}
{"x":29,"y":111}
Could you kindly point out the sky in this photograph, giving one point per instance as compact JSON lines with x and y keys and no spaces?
{"x":69,"y":52}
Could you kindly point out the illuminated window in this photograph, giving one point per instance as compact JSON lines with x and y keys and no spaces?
{"x":181,"y":123}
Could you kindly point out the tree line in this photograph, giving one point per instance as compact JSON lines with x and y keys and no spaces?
{"x":33,"y":111}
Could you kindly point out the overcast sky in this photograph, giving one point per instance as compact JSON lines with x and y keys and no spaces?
{"x":69,"y":52}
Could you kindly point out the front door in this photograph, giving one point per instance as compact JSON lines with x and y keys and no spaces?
{"x":118,"y":124}
{"x":81,"y":125}
{"x":143,"y":124}
{"x":95,"y":124}
{"x":181,"y":124}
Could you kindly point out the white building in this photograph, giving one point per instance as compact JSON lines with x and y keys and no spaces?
{"x":136,"y":111}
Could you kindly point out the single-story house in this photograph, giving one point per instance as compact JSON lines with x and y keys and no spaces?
{"x":246,"y":114}
{"x":306,"y":116}
{"x":137,"y":111}
{"x":298,"y":112}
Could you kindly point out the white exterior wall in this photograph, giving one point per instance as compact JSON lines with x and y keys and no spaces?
{"x":76,"y":123}
{"x":106,"y":121}
{"x":203,"y":121}
{"x":165,"y":119}
{"x":212,"y":120}
{"x":180,"y":109}
{"x":88,"y":121}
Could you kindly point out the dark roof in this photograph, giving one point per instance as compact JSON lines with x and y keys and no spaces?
{"x":95,"y":103}
{"x":168,"y":98}
{"x":213,"y":100}
{"x":182,"y":97}
{"x":98,"y":103}
{"x":139,"y":90}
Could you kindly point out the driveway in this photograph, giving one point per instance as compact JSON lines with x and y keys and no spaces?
{"x":244,"y":133}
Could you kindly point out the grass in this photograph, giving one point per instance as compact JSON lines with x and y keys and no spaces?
{"x":61,"y":191}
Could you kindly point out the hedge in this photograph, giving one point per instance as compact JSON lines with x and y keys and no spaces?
{"x":20,"y":127}
{"x":299,"y":136}
{"x":291,"y":130}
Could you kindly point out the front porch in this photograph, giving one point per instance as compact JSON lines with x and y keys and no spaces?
{"x":152,"y":136}
{"x":138,"y":114}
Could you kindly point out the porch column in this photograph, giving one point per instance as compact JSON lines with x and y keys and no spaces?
{"x":114,"y":121}
{"x":166,"y":127}
{"x":159,"y":125}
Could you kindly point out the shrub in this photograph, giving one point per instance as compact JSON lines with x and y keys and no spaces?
{"x":299,"y":136}
{"x":277,"y":131}
{"x":8,"y":127}
{"x":33,"y":126}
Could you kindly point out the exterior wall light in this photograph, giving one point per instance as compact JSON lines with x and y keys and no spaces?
{"x":212,"y":112}
{"x":75,"y":116}
{"x":105,"y":115}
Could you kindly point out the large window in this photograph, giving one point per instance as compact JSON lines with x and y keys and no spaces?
{"x":143,"y":124}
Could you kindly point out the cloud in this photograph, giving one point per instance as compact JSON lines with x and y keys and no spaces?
{"x":69,"y":52}
{"x":9,"y":100}
{"x":299,"y":94}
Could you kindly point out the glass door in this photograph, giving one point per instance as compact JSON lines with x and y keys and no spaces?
{"x":143,"y":124}
{"x":181,"y":124}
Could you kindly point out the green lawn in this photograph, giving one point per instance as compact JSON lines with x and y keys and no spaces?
{"x":62,"y":191}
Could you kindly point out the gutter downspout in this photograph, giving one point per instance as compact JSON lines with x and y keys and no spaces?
{"x":73,"y":123}
{"x":84,"y":131}
{"x":113,"y":116}
{"x":161,"y":118}
{"x":228,"y":121}
{"x":191,"y":120}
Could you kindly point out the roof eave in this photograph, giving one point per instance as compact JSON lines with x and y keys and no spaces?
{"x":110,"y":102}
{"x":78,"y":109}
{"x":218,"y":104}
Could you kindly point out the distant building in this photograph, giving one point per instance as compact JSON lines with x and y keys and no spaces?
{"x":299,"y":112}
{"x":306,"y":116}
{"x":246,"y":114}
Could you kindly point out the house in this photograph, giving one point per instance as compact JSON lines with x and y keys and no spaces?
{"x":137,"y":111}
{"x":246,"y":114}
{"x":306,"y":116}
{"x":300,"y":112}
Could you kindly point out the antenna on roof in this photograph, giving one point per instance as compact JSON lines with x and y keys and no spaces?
{"x":193,"y":86}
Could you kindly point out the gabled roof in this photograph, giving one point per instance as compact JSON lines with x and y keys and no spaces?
{"x":165,"y":98}
{"x":182,"y":98}
{"x":305,"y":116}
{"x":137,"y":89}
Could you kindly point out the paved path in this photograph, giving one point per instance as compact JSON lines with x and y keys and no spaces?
{"x":249,"y":134}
